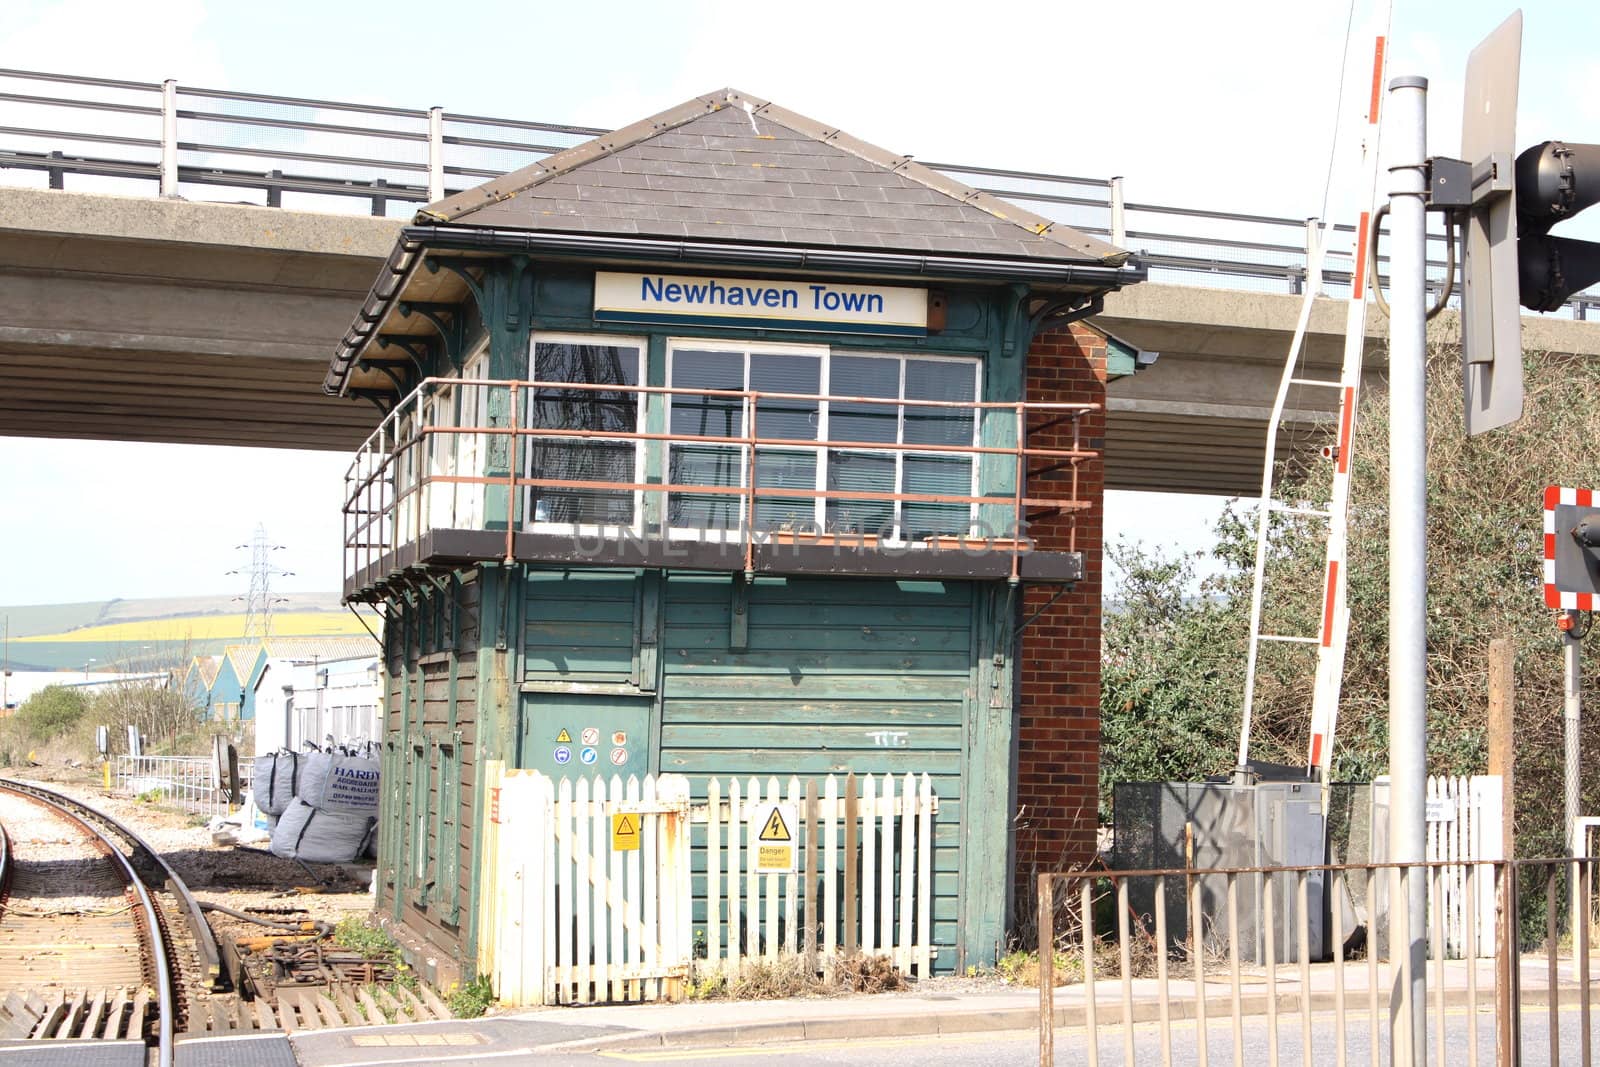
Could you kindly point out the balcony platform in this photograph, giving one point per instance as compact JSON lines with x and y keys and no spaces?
{"x":441,"y":551}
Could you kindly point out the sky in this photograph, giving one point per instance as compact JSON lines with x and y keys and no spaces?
{"x":1229,"y":107}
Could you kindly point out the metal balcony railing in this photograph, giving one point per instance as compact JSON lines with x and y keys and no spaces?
{"x":321,"y":155}
{"x":434,"y":464}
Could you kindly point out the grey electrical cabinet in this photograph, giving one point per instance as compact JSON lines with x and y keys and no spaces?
{"x":1224,"y":825}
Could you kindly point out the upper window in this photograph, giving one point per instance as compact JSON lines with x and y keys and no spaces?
{"x":584,"y":360}
{"x":841,"y":488}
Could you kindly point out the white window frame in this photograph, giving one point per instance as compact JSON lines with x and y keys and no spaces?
{"x":588,"y":528}
{"x":826,"y":354}
{"x":467,"y":510}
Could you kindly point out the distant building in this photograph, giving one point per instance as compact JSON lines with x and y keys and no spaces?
{"x":317,"y":691}
{"x":20,"y":685}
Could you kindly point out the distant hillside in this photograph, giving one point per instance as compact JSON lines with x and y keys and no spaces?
{"x":32,"y":619}
{"x":158,"y":632}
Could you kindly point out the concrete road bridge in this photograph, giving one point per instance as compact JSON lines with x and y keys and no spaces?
{"x":133,"y":306}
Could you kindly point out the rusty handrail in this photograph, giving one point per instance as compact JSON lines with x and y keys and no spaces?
{"x":385,"y":501}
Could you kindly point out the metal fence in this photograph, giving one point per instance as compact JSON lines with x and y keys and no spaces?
{"x":281,"y":151}
{"x":1117,"y":970}
{"x":188,"y":782}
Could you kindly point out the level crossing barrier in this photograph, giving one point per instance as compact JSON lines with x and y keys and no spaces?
{"x":137,"y":137}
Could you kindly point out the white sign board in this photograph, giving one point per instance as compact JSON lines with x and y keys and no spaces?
{"x":1441,"y":809}
{"x":705,"y":300}
{"x":775,"y":847}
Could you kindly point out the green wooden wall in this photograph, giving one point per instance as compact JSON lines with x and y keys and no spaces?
{"x":802,"y":676}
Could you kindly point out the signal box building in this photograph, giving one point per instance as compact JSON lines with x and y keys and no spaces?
{"x":756,"y":450}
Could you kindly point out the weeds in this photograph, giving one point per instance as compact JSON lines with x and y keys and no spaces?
{"x":360,"y":933}
{"x":790,"y":976}
{"x":868,"y":974}
{"x":473,"y":999}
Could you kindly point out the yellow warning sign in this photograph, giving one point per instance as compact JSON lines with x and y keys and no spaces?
{"x":775,"y":829}
{"x":774,"y":848}
{"x":625,"y":832}
{"x":563,"y":738}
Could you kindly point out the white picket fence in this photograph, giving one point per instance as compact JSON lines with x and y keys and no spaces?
{"x":576,"y":920}
{"x":1464,"y":826}
{"x":1464,"y":823}
{"x":886,"y":906}
{"x":571,"y":917}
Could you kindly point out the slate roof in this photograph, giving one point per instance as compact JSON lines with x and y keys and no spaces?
{"x":731,"y":167}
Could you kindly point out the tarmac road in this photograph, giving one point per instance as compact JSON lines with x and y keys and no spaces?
{"x":498,"y":1043}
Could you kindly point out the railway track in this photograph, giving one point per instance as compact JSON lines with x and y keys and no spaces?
{"x":99,"y":936}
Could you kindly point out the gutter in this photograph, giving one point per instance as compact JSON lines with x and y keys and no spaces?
{"x":414,"y":239}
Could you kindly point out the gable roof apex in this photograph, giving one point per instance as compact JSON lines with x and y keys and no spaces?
{"x":1069,"y":243}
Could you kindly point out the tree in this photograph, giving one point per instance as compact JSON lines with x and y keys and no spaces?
{"x":50,"y":712}
{"x":1485,"y":552}
{"x":1168,"y":673}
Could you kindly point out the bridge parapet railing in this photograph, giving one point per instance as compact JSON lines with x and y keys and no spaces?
{"x":176,"y":140}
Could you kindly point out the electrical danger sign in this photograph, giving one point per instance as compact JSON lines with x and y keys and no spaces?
{"x":775,"y":847}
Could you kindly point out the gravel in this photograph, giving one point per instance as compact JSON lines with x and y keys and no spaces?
{"x":234,"y":876}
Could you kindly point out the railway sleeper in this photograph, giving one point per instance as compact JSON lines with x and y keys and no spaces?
{"x":56,"y":1015}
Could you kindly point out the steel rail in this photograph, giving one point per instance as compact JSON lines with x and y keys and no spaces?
{"x":147,"y":857}
{"x":162,"y":962}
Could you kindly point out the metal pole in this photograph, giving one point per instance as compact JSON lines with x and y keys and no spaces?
{"x":169,"y":138}
{"x":1408,"y":586}
{"x":435,"y":154}
{"x":1119,"y":219}
{"x":1572,"y":712}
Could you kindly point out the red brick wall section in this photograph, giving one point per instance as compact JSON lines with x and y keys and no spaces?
{"x":1058,"y":714}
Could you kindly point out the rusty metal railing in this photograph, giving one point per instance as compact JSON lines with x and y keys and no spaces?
{"x":1318,"y":953}
{"x":424,"y":468}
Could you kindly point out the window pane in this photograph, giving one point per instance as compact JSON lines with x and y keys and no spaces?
{"x":942,"y":475}
{"x":792,"y":420}
{"x":928,"y":379}
{"x":572,"y":459}
{"x":869,"y":472}
{"x":583,"y":461}
{"x":786,"y":470}
{"x":863,"y":376}
{"x":707,"y":416}
{"x":705,"y":465}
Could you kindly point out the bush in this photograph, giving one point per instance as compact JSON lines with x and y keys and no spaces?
{"x":51,"y":712}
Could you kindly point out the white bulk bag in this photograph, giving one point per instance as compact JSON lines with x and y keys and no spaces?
{"x":304,"y":833}
{"x":346,"y":785}
{"x":275,"y":780}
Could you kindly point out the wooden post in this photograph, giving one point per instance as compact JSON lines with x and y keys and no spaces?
{"x":1502,"y":714}
{"x":851,"y":886}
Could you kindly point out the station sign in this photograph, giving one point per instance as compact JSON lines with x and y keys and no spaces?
{"x":716,"y":300}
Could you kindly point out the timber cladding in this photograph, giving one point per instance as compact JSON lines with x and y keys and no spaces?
{"x":428,"y":811}
{"x":1058,"y":713}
